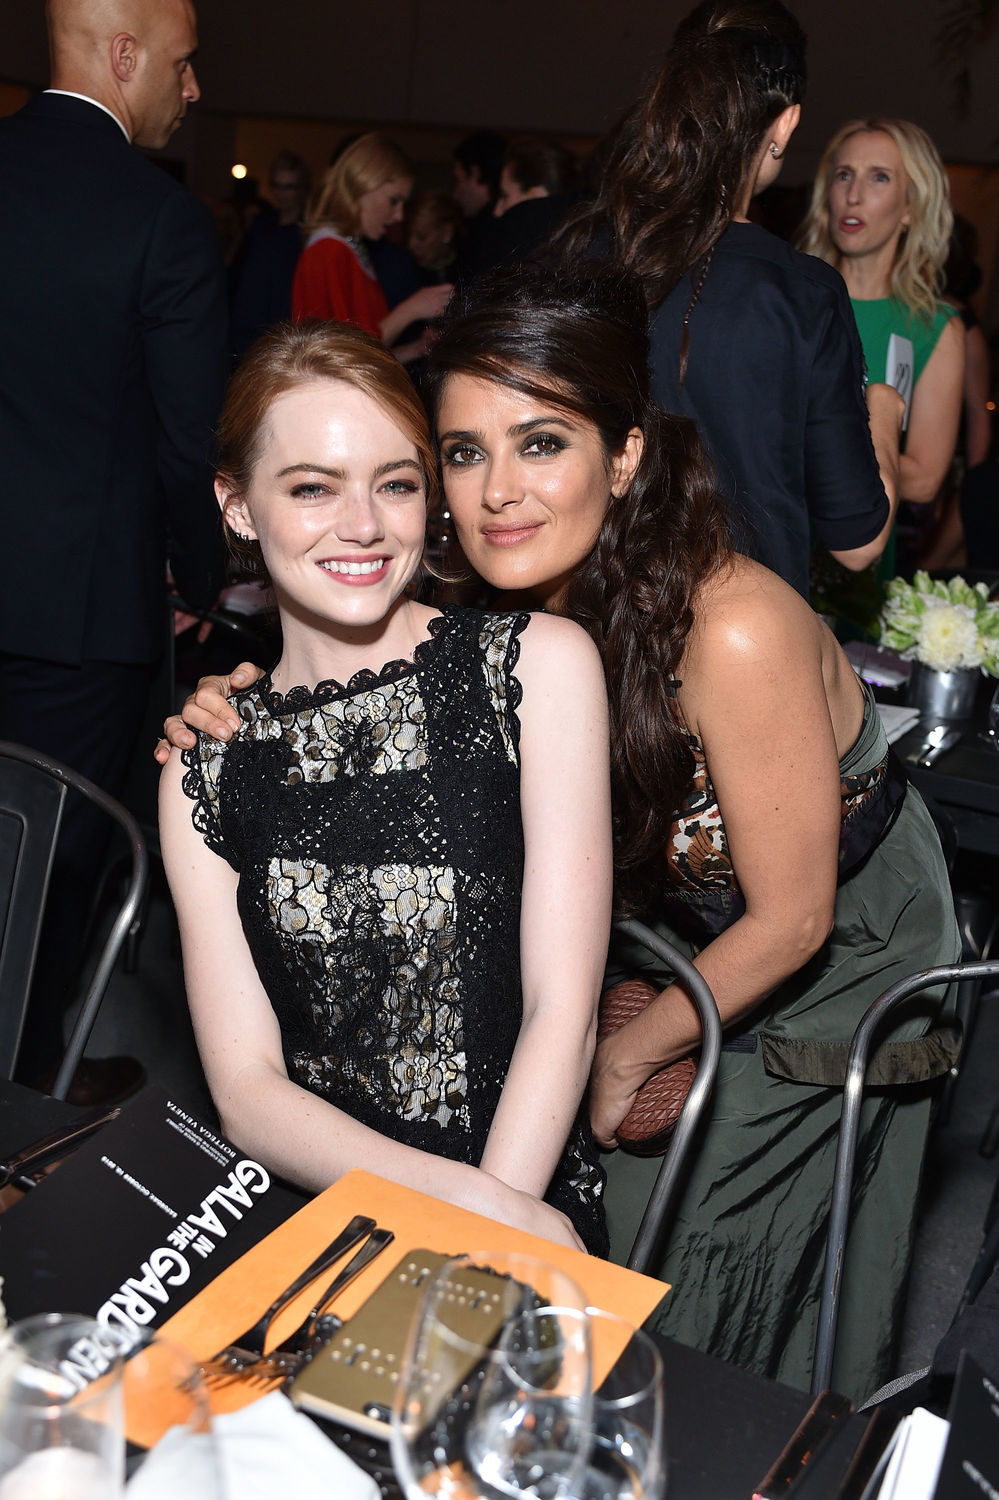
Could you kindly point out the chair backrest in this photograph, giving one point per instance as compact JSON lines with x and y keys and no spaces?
{"x":32,"y":789}
{"x":30,"y":813}
{"x":846,"y":1151}
{"x":670,"y":1177}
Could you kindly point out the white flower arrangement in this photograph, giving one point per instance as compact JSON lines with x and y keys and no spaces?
{"x":946,"y":626}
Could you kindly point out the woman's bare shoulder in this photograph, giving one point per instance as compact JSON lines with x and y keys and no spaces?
{"x":746,"y":611}
{"x":557,"y":655}
{"x":545,"y":633}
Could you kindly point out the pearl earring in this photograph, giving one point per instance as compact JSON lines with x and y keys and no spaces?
{"x":774,"y":150}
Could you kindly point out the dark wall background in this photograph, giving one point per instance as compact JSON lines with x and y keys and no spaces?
{"x":557,"y":65}
{"x":300,"y":72}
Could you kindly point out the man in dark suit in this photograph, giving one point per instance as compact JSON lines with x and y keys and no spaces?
{"x":112,"y":366}
{"x":537,"y":192}
{"x":478,"y":160}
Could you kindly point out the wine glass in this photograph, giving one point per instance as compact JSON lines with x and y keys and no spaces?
{"x":627,"y":1456}
{"x":168,"y":1411}
{"x":61,"y":1426}
{"x":494,"y":1390}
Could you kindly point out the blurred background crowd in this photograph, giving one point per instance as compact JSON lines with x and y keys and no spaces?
{"x":494,"y":132}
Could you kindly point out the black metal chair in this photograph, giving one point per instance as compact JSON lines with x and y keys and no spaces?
{"x":856,"y":1071}
{"x":664,"y":1193}
{"x":32,"y":793}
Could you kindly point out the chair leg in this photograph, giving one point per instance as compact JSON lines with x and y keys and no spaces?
{"x":966,"y":1007}
{"x":130,"y":953}
{"x":978,"y":921}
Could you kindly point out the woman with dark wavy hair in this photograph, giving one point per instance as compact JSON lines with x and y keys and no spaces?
{"x":750,"y":338}
{"x":755,"y":819}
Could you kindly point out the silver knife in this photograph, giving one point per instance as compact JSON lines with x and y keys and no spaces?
{"x":939,"y":740}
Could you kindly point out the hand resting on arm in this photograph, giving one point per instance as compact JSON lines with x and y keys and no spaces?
{"x":207,"y":709}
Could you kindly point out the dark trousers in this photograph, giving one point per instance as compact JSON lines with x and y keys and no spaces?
{"x":87,"y":716}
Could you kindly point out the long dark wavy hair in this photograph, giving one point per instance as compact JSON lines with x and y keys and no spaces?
{"x":684,"y":154}
{"x":579,"y":342}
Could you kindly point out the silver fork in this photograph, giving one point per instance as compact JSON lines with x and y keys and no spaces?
{"x":248,"y":1347}
{"x":317,"y":1327}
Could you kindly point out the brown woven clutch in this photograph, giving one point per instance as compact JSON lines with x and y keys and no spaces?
{"x":648,"y":1125}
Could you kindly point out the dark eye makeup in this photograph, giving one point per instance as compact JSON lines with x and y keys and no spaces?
{"x":547,"y":444}
{"x":459,"y":455}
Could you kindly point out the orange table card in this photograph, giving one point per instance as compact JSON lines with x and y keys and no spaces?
{"x":239,"y":1295}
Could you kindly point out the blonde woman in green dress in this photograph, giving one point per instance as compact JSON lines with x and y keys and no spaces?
{"x":880,"y":213}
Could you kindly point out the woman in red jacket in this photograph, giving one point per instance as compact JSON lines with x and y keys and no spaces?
{"x":362,"y":194}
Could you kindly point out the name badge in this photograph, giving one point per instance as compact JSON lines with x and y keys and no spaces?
{"x":899,"y":367}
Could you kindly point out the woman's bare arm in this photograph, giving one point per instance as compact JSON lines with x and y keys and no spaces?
{"x":934,"y":418}
{"x":565,"y":908}
{"x":885,"y":408}
{"x":422,"y":307}
{"x":754,"y":694}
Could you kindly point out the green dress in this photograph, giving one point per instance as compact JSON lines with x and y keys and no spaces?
{"x":745,"y":1252}
{"x":878,"y":319}
{"x":897,"y":345}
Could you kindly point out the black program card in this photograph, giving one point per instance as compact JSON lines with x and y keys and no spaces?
{"x":138,"y":1220}
{"x":970,"y":1467}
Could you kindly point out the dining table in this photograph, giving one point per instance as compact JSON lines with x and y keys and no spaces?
{"x":962,"y":777}
{"x":724,"y":1426}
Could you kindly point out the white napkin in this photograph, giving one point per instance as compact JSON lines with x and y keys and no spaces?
{"x":914,"y":1458}
{"x":897,"y":720}
{"x":266,"y":1450}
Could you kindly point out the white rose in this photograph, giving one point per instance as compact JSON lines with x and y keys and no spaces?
{"x":948,"y":637}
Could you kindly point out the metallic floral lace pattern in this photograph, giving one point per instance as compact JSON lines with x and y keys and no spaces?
{"x":379,"y":733}
{"x":504,"y":692}
{"x":397,"y":906}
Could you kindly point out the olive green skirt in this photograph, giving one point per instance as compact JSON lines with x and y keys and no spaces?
{"x":745,"y":1251}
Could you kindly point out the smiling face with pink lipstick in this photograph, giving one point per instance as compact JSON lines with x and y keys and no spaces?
{"x":528,"y":483}
{"x":325,"y":477}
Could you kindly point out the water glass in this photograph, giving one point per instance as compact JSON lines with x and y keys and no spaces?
{"x":61,"y":1423}
{"x":494,"y":1390}
{"x":627,"y":1456}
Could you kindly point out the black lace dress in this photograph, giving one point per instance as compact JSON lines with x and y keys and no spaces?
{"x":377,"y":834}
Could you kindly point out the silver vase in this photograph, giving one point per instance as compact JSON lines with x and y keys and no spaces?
{"x":942,"y":695}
